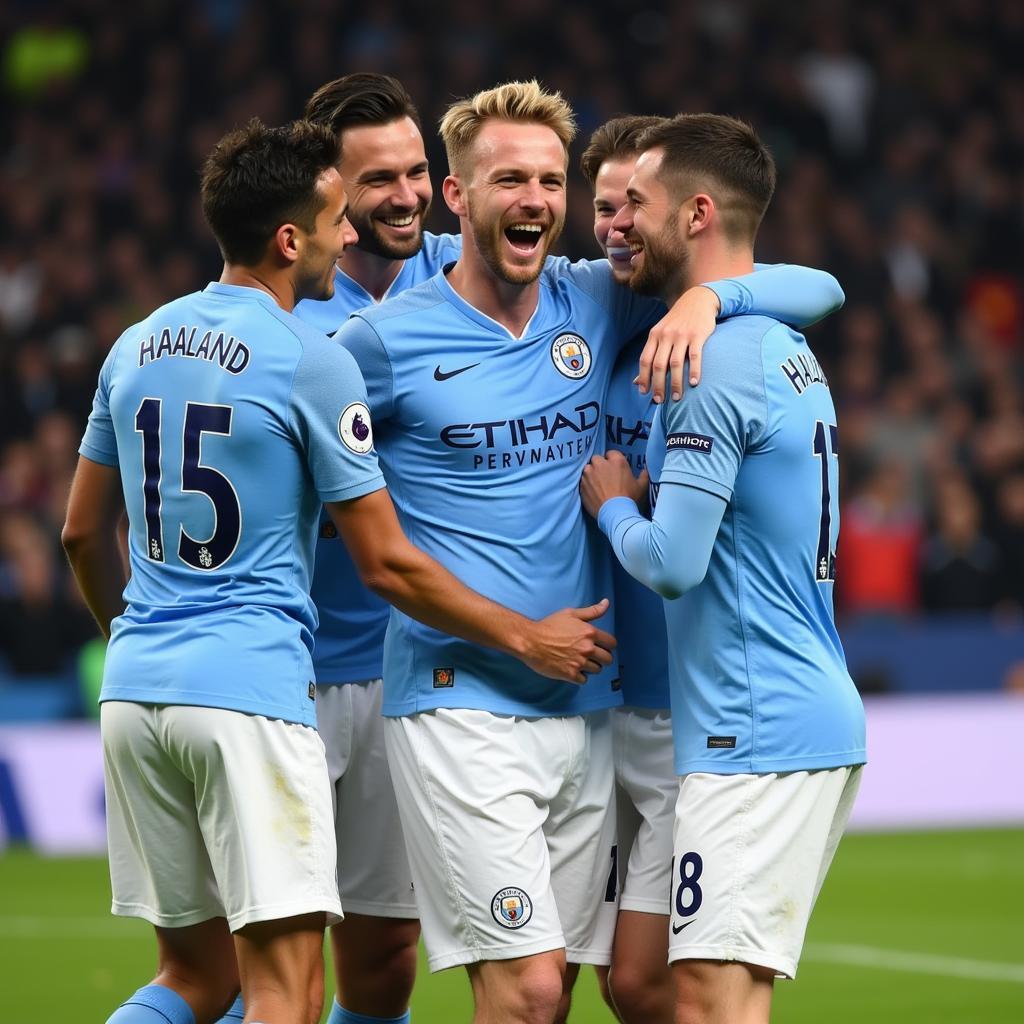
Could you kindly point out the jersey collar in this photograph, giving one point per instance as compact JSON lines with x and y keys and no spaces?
{"x":474,"y":314}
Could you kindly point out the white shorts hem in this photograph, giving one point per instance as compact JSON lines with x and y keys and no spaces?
{"x":183,"y":920}
{"x":781,"y":965}
{"x":471,"y":956}
{"x":371,"y":909}
{"x":594,"y":957}
{"x":645,"y":906}
{"x":281,"y":911}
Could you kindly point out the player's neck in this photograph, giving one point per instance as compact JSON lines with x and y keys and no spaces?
{"x":375,"y":274}
{"x":278,"y":286}
{"x":511,"y":305}
{"x":714,"y":264}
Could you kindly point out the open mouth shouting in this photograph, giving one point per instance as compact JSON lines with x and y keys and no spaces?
{"x":525,"y":237}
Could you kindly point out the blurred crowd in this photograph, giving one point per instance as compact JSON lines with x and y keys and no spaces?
{"x":898,"y":128}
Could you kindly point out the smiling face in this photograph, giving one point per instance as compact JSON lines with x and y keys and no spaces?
{"x":609,"y":197}
{"x":649,"y":223}
{"x":512,"y":193}
{"x":323,"y":246}
{"x":384,"y":167}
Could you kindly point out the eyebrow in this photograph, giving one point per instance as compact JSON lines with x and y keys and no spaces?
{"x":390,"y":172}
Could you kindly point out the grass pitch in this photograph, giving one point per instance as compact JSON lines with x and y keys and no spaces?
{"x":922,"y":928}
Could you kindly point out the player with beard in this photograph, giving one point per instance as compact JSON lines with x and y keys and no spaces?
{"x":384,"y":169}
{"x":768,"y":727}
{"x":489,"y":379}
{"x":638,"y":984}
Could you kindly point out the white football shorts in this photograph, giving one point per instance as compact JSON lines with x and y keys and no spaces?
{"x":646,"y":786}
{"x":751,"y":853}
{"x":215,"y":813}
{"x":510,"y":828}
{"x":373,"y":869}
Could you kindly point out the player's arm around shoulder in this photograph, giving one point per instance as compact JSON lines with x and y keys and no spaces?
{"x":563,"y":646}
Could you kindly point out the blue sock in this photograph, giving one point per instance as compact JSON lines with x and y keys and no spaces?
{"x":153,"y":1004}
{"x":339,"y":1015}
{"x":235,"y":1013}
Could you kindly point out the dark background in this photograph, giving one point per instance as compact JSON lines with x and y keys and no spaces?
{"x":899,"y":133}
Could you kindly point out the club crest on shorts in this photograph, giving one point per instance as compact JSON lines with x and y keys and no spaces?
{"x":571,"y":356}
{"x":511,"y":907}
{"x":354,"y":428}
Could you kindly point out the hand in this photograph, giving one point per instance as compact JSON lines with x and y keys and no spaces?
{"x":678,"y":336}
{"x":610,"y":476}
{"x":565,"y":646}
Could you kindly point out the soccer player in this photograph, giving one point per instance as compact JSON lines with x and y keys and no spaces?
{"x":768,"y":727}
{"x":486,"y":384}
{"x":384,"y":170}
{"x":219,"y":816}
{"x":639,"y":983}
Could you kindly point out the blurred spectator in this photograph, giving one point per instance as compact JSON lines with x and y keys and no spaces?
{"x":41,"y":628}
{"x":960,"y":566}
{"x":879,"y":547}
{"x":1010,"y":537}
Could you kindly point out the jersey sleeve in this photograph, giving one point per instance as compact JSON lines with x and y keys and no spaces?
{"x":708,"y":430}
{"x":795,"y":295}
{"x":669,"y":553}
{"x":99,"y":443}
{"x":631,"y":313}
{"x":359,"y":338}
{"x":331,"y":421}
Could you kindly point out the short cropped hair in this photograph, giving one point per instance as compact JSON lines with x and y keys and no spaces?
{"x":523,"y":102}
{"x":617,"y":138}
{"x":362,"y":98}
{"x":258,"y":178}
{"x":723,"y":155}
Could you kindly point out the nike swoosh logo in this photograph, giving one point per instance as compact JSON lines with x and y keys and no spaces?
{"x":440,"y":375}
{"x":676,"y":929}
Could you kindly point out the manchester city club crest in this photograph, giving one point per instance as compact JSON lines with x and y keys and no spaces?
{"x":511,"y":907}
{"x":571,"y":356}
{"x":354,"y":428}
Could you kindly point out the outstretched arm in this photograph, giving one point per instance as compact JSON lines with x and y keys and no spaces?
{"x":562,"y":646}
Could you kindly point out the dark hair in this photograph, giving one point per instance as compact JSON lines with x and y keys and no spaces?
{"x":363,"y":98}
{"x":618,"y":137}
{"x":723,"y":155}
{"x":258,"y":178}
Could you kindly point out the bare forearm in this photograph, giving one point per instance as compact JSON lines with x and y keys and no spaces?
{"x":423,"y":589}
{"x":96,"y":563}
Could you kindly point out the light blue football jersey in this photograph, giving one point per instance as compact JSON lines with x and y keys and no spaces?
{"x":757,"y":672}
{"x":231,"y":422}
{"x":795,"y":295}
{"x":639,"y":619}
{"x":482,"y":438}
{"x":349,"y":642}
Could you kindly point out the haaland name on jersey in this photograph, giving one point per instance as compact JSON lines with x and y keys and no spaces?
{"x":229,"y":352}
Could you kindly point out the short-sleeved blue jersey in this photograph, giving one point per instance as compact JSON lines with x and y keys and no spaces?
{"x":638,"y":611}
{"x":231,"y":422}
{"x":349,"y":642}
{"x":758,"y":676}
{"x":482,"y":438}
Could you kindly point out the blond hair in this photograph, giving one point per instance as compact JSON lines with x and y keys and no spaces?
{"x":523,"y":102}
